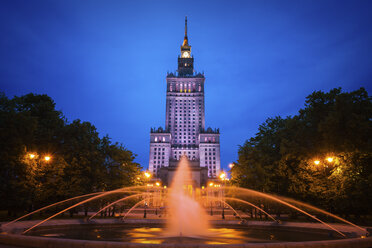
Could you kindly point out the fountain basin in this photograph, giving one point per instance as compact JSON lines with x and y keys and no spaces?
{"x":149,"y":233}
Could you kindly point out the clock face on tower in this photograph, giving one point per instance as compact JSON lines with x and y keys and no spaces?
{"x":185,"y":55}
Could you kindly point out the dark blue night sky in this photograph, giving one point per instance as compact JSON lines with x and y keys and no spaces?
{"x":105,"y":61}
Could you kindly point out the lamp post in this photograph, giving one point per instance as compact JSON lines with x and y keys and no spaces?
{"x":144,"y":212}
{"x":147,"y":178}
{"x":223,"y":177}
{"x":156,"y":199}
{"x":209,"y":193}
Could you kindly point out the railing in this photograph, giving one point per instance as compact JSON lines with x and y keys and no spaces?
{"x":194,"y":75}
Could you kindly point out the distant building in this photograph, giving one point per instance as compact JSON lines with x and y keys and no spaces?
{"x":184,"y":132}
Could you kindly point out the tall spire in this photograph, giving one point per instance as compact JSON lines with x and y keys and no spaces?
{"x":185,"y":40}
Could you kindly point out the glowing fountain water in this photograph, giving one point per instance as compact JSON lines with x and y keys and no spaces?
{"x":186,"y":216}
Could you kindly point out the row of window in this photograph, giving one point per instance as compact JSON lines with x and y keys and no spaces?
{"x":189,"y":103}
{"x":210,"y":153}
{"x":183,"y":152}
{"x":184,"y":115}
{"x":185,"y":130}
{"x":209,"y":139}
{"x":159,"y":139}
{"x":188,"y":135}
{"x":184,"y":87}
{"x":184,"y":119}
{"x":184,"y":141}
{"x":184,"y":106}
{"x":193,"y":115}
{"x":210,"y":158}
{"x":208,"y":149}
{"x":160,"y":149}
{"x":185,"y":102}
{"x":176,"y":108}
{"x":178,"y":157}
{"x":189,"y":123}
{"x":185,"y":126}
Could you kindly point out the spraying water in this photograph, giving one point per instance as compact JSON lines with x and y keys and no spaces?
{"x":186,"y":216}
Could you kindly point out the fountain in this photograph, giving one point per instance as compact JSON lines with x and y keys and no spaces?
{"x":183,"y":209}
{"x":184,"y":215}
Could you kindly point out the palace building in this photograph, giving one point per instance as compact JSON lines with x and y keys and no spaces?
{"x":185,"y":133}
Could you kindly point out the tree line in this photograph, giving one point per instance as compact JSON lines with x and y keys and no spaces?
{"x":45,"y":159}
{"x":322,"y":155}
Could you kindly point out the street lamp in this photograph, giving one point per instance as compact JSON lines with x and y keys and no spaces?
{"x":222,"y":176}
{"x":32,"y":156}
{"x":147,"y":175}
{"x":330,"y":159}
{"x":231,"y":165}
{"x":316,"y":162}
{"x":47,"y":158}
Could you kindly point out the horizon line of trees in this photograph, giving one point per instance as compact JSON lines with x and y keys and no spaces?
{"x":322,"y":155}
{"x":45,"y":159}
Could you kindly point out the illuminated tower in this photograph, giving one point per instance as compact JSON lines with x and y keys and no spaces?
{"x":184,"y":132}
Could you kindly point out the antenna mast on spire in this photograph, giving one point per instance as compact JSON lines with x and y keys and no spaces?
{"x":185,"y":40}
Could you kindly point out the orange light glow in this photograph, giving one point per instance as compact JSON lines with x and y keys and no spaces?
{"x":47,"y":158}
{"x":157,"y":184}
{"x":148,"y":175}
{"x":330,"y":159}
{"x":231,"y":165}
{"x":211,"y":184}
{"x":222,"y":176}
{"x":32,"y":155}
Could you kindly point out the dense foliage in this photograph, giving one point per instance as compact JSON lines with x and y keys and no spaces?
{"x":323,"y":155}
{"x":80,"y":161}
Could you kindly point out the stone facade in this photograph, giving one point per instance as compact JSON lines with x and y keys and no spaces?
{"x":185,"y":132}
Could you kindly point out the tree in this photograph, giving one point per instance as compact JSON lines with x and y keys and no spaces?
{"x":80,"y":161}
{"x":334,"y":125}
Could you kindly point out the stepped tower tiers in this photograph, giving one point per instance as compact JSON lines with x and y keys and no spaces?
{"x":185,"y":132}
